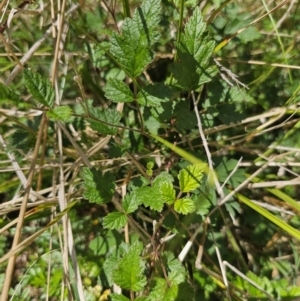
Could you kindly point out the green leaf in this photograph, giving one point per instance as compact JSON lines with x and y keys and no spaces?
{"x":115,"y":220}
{"x":107,"y":244}
{"x":109,"y":265}
{"x":152,"y":124}
{"x":249,"y":35}
{"x":154,"y":95}
{"x":185,"y":118}
{"x":190,"y":177}
{"x":117,"y":91}
{"x":62,"y":113}
{"x":39,"y":87}
{"x":129,"y":273}
{"x":229,"y":113}
{"x":194,"y":53}
{"x":184,"y":206}
{"x":25,"y":138}
{"x":116,"y":297}
{"x":132,"y":48}
{"x":202,"y":204}
{"x":225,"y":168}
{"x":163,"y":177}
{"x":130,"y":203}
{"x":233,"y":26}
{"x":221,"y":92}
{"x":185,"y":292}
{"x":150,"y":197}
{"x":226,"y":103}
{"x":167,"y":192}
{"x":7,"y":94}
{"x":107,"y":120}
{"x":98,"y":188}
{"x":162,"y":291}
{"x":177,"y":272}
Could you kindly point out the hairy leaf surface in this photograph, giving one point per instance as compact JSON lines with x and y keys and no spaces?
{"x":194,"y":53}
{"x":98,"y":188}
{"x":131,"y":48}
{"x":106,"y":119}
{"x":114,"y":220}
{"x":117,"y":91}
{"x":39,"y":87}
{"x":129,"y":272}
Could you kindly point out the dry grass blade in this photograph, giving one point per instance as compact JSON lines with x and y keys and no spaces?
{"x":253,"y":62}
{"x":68,"y":241}
{"x":11,"y":262}
{"x":33,"y":49}
{"x":26,"y":242}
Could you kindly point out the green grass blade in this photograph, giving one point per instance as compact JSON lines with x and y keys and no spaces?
{"x":274,"y":219}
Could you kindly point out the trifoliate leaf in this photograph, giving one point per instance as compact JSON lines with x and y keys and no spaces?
{"x":131,"y":49}
{"x":62,"y":113}
{"x":117,"y":91}
{"x":106,"y":121}
{"x":194,"y":53}
{"x":39,"y":87}
{"x":184,"y":206}
{"x":129,"y":273}
{"x":115,"y":220}
{"x":167,"y":192}
{"x":130,"y":203}
{"x":152,"y":196}
{"x":154,"y":95}
{"x":98,"y":188}
{"x":190,"y":177}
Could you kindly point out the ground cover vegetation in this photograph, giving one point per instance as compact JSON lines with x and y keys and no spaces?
{"x":149,"y":150}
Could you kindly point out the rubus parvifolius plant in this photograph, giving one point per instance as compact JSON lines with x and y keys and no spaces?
{"x":143,"y":267}
{"x":163,"y":209}
{"x":148,"y":266}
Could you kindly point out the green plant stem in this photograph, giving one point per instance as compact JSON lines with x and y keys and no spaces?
{"x":126,"y":8}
